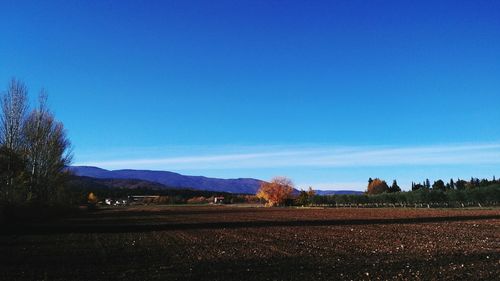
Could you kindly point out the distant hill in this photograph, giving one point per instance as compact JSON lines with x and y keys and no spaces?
{"x":102,"y":183}
{"x":171,"y":179}
{"x":133,"y":179}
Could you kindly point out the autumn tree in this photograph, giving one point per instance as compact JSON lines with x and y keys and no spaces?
{"x":277,"y":191}
{"x":92,"y":199}
{"x":311,"y":192}
{"x":377,"y":186}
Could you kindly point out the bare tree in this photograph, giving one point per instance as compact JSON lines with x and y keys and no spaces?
{"x":14,"y":105}
{"x":47,"y":151}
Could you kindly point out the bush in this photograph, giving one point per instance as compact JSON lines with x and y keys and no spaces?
{"x":197,"y":200}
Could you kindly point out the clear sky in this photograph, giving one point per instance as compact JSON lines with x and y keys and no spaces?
{"x":327,"y":93}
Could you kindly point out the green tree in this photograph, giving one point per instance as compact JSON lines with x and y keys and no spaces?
{"x":427,"y":183}
{"x":303,"y":198}
{"x":394,"y":187}
{"x":460,"y":184}
{"x":12,"y":172}
{"x":439,"y":185}
{"x":417,"y":186}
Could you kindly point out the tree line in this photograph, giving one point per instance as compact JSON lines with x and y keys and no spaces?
{"x":459,"y":193}
{"x":34,"y":149}
{"x":280,"y":191}
{"x":482,"y":196}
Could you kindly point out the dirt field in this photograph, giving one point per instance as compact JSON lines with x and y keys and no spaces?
{"x":230,"y":243}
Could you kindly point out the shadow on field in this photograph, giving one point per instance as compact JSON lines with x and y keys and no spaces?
{"x":118,"y":213}
{"x":113,"y":227}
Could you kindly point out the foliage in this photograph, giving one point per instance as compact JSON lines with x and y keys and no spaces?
{"x":485,"y":195}
{"x":198,"y":200}
{"x":91,"y":198}
{"x":79,"y":187}
{"x":394,"y":187}
{"x":276,"y":192}
{"x":12,"y":175}
{"x":377,"y":186}
{"x":439,"y":185}
{"x":304,"y":197}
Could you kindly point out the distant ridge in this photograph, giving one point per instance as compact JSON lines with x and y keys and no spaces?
{"x":240,"y":185}
{"x":168,"y":179}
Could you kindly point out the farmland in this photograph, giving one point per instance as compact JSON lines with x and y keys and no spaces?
{"x":238,"y":243}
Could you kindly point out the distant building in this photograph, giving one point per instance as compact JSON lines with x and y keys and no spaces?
{"x":218,"y":199}
{"x":113,"y":202}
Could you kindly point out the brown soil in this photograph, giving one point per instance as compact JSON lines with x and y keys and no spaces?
{"x":230,"y":243}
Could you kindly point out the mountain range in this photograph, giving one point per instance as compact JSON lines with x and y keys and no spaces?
{"x":171,"y":179}
{"x":132,"y":178}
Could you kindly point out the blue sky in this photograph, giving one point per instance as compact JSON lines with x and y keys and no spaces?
{"x":327,"y":93}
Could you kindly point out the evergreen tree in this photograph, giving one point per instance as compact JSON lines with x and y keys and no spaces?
{"x":394,"y":187}
{"x":438,"y":185}
{"x":460,"y":184}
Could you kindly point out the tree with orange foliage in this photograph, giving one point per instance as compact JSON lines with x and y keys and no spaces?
{"x":92,"y":199}
{"x":377,"y":186}
{"x":276,"y":192}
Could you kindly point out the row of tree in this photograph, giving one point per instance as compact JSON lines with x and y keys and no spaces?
{"x":378,"y":186}
{"x":280,"y":191}
{"x":482,"y":196}
{"x":459,"y":184}
{"x":34,"y":149}
{"x":79,"y":188}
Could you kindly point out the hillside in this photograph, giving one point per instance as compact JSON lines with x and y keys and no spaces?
{"x":171,"y":179}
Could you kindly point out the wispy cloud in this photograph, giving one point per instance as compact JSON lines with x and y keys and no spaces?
{"x":313,"y":156}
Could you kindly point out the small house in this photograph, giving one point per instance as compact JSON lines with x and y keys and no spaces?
{"x":219,"y":200}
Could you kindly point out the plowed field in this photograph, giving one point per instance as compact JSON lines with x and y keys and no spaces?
{"x":237,"y":243}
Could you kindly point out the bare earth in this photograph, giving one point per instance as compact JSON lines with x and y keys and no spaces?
{"x":234,"y":243}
